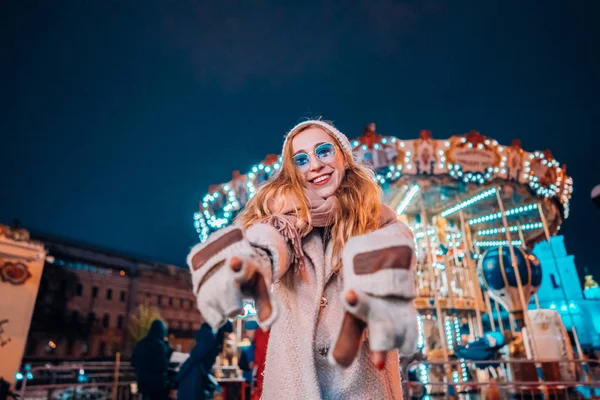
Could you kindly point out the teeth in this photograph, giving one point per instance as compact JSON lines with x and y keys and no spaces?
{"x":321,"y":178}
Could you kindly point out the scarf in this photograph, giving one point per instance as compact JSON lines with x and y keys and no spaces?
{"x":322,"y":212}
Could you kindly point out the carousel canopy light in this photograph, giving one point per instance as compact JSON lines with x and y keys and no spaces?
{"x":513,"y":228}
{"x":496,"y":243}
{"x":497,"y":215}
{"x":408,"y":199}
{"x":468,"y":202}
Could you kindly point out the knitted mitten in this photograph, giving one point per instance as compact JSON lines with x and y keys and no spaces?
{"x":378,"y":267}
{"x":219,"y":289}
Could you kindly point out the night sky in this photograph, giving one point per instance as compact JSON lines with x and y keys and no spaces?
{"x":117,"y":115}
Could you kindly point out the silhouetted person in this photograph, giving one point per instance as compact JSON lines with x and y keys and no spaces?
{"x":192,"y":378}
{"x":151,"y":362}
{"x":247,"y":356}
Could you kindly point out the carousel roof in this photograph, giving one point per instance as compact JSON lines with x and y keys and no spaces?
{"x":456,"y":176}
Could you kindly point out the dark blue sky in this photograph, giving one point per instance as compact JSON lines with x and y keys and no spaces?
{"x":117,"y":115}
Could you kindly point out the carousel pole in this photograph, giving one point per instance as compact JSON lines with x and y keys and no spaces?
{"x":513,"y":259}
{"x":490,"y":314}
{"x":458,"y":268}
{"x":524,"y":304}
{"x":471,"y":327}
{"x":450,"y":278}
{"x":562,"y":286}
{"x":512,"y":322}
{"x":500,"y":318}
{"x":438,"y":308}
{"x":472,"y":271}
{"x":522,"y":238}
{"x":430,"y":258}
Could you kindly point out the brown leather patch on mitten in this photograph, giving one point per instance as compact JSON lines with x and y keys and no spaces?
{"x":397,"y":257}
{"x":201,"y":257}
{"x":210,"y":273}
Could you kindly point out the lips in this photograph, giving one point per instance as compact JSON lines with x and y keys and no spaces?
{"x":321,"y":179}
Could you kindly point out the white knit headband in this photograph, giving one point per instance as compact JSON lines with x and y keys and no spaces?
{"x":346,"y":146}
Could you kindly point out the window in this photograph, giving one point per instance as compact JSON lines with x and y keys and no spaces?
{"x":106,"y":321}
{"x":79,"y":290}
{"x":191,"y":304}
{"x":120,"y":321}
{"x":190,"y":326}
{"x":91,"y":319}
{"x":170,"y":302}
{"x":108,"y":294}
{"x":181,"y":302}
{"x":180,"y":325}
{"x":94,"y":292}
{"x":555,"y":284}
{"x":123,"y":296}
{"x":102,"y":348}
{"x":159,"y":299}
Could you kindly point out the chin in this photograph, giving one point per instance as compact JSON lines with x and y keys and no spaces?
{"x":325,"y":191}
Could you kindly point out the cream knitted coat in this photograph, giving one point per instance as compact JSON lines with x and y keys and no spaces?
{"x":310,"y":312}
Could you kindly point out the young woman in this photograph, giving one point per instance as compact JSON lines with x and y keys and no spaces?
{"x":330,"y":268}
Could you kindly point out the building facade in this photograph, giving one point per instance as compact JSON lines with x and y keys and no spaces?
{"x":109,"y":287}
{"x":560,"y":278}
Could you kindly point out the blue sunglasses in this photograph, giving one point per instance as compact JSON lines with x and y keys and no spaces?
{"x":324,"y":152}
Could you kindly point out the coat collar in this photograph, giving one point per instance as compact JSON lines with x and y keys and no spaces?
{"x":320,"y":257}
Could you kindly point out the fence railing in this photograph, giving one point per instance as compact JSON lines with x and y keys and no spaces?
{"x":86,"y":380}
{"x":504,"y":379}
{"x":456,"y":379}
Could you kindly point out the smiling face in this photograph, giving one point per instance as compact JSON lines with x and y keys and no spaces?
{"x":324,"y":175}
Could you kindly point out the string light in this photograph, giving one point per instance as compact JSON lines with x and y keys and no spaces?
{"x":468,"y":202}
{"x":497,"y":215}
{"x":463,"y":367}
{"x":496,"y":243}
{"x":424,"y":373}
{"x":457,"y":328}
{"x":407,"y":199}
{"x":421,"y":338}
{"x":449,"y":338}
{"x":513,"y":228}
{"x":439,"y":265}
{"x":219,"y":207}
{"x":420,"y":235}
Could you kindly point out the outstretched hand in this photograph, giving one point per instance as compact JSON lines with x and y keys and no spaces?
{"x":252,"y":283}
{"x":391,"y":324}
{"x":349,"y":340}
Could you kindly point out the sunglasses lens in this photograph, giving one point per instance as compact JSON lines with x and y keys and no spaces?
{"x":302,"y":161}
{"x":325,"y":152}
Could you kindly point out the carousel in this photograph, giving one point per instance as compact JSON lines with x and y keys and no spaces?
{"x":476,"y":208}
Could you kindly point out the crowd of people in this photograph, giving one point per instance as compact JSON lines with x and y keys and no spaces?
{"x":157,"y":377}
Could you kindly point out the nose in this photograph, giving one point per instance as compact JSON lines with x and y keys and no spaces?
{"x":315,"y":163}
